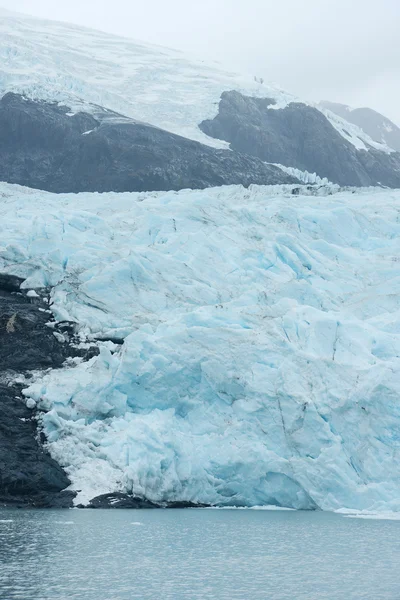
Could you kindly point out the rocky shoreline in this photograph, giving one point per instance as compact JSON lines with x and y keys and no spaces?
{"x":29,"y":341}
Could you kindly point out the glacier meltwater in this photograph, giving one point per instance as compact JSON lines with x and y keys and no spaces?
{"x":260,"y":337}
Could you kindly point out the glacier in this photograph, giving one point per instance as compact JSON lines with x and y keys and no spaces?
{"x":249,"y":342}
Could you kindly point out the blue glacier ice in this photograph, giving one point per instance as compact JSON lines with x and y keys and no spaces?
{"x":261,"y":342}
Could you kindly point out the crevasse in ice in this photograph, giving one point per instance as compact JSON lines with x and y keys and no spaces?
{"x":260,"y":362}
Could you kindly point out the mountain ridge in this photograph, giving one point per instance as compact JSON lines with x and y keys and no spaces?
{"x":376,"y":125}
{"x":177,"y":92}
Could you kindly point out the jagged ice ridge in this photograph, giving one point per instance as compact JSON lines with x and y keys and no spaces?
{"x":260,"y":362}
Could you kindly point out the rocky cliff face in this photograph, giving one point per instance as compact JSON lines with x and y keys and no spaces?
{"x":45,"y":146}
{"x":28,"y":475}
{"x":299,"y":136}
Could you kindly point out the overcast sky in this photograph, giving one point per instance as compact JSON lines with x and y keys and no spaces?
{"x":341,"y":50}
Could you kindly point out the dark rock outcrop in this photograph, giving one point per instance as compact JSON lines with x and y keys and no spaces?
{"x":44,"y":146}
{"x":28,"y":475}
{"x":299,"y":136}
{"x":120,"y":500}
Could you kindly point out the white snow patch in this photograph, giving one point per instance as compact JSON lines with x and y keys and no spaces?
{"x":32,"y":294}
{"x":352,"y":133}
{"x":59,"y":337}
{"x":304,"y":176}
{"x":81,"y":67}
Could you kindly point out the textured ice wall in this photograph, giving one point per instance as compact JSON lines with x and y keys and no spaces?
{"x":261,"y":359}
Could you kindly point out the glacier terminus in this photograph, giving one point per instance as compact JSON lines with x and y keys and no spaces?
{"x":249,"y":342}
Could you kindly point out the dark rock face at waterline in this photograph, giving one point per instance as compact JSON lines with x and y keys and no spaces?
{"x":299,"y":136}
{"x":120,"y":500}
{"x":28,"y":475}
{"x":43,"y":146}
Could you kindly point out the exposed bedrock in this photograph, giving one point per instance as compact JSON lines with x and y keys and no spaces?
{"x":45,"y":146}
{"x":299,"y":136}
{"x":28,"y":475}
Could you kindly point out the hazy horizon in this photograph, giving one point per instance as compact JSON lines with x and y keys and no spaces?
{"x":318,"y":51}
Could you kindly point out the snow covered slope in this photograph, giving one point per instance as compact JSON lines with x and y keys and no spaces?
{"x":377,"y":126}
{"x":4,"y":12}
{"x":57,"y":61}
{"x":262,"y":341}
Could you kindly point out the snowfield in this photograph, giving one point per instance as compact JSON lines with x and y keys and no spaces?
{"x":166,"y":88}
{"x":260,"y":362}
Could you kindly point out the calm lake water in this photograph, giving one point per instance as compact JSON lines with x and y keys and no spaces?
{"x":196,"y":555}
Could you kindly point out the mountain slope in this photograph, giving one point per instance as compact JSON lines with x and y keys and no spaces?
{"x":57,"y":61}
{"x":379,"y":128}
{"x":46,"y":146}
{"x":88,"y":70}
{"x":299,"y":135}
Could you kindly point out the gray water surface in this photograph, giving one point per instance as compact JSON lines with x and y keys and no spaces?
{"x":196,"y":555}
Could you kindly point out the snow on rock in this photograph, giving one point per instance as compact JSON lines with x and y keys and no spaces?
{"x":304,"y":176}
{"x":166,"y":88}
{"x":260,"y":363}
{"x":352,"y":133}
{"x":59,"y":61}
{"x":32,"y":294}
